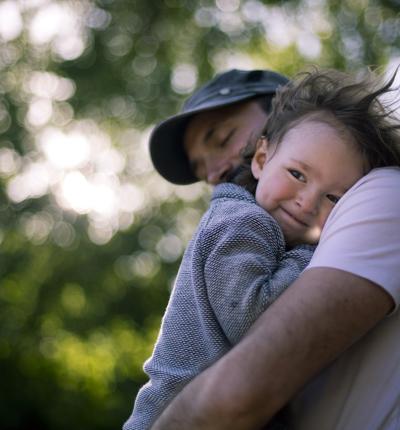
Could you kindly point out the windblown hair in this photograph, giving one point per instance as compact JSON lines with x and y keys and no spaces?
{"x":352,"y":107}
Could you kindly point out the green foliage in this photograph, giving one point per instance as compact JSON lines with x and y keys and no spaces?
{"x":90,"y":236}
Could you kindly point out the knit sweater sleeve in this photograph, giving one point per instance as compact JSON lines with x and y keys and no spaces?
{"x":246,"y":267}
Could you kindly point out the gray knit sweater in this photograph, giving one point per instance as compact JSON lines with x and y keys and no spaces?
{"x":235,"y":266}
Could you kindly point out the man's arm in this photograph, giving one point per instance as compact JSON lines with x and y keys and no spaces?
{"x":323,"y":313}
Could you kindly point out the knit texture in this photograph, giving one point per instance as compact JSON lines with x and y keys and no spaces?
{"x":235,"y":266}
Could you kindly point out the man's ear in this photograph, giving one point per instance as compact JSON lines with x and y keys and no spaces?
{"x":260,"y":157}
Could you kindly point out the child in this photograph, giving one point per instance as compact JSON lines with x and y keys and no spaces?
{"x":323,"y":134}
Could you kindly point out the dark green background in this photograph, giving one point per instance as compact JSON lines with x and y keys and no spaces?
{"x":74,"y":332}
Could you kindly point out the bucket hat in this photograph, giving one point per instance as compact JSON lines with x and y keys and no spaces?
{"x":166,"y":140}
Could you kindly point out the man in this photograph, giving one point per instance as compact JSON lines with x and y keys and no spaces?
{"x":203,"y":142}
{"x":353,"y":283}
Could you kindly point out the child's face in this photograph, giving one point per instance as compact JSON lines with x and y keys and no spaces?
{"x":301,"y":179}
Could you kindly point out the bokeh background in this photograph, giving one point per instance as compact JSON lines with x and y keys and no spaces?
{"x":90,"y":236}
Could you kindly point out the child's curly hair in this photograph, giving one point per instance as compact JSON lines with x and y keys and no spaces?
{"x":347,"y":104}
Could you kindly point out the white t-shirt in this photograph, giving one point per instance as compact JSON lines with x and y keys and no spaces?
{"x":361,"y":389}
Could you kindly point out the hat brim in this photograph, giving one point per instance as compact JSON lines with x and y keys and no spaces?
{"x":166,"y":146}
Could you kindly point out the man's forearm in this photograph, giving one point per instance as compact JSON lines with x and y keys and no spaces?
{"x":323,"y":313}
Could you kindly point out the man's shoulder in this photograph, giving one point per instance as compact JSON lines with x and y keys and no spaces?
{"x":231,"y":192}
{"x":381,"y":174}
{"x":378,"y":182}
{"x":232,"y":202}
{"x":234,"y":213}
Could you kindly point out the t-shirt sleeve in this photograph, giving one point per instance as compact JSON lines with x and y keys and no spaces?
{"x":362,"y":234}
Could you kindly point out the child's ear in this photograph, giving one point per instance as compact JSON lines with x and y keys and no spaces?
{"x":260,"y":158}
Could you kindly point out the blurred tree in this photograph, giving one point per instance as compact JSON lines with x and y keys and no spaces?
{"x":91,"y":237}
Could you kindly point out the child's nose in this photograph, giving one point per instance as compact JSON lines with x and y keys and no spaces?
{"x":308,"y":201}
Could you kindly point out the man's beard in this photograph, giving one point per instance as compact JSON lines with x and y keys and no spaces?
{"x":231,"y":176}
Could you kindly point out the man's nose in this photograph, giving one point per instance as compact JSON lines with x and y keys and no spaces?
{"x":216,"y":174}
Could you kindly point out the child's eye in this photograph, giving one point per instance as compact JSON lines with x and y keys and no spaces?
{"x":333,"y":198}
{"x":297,"y":175}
